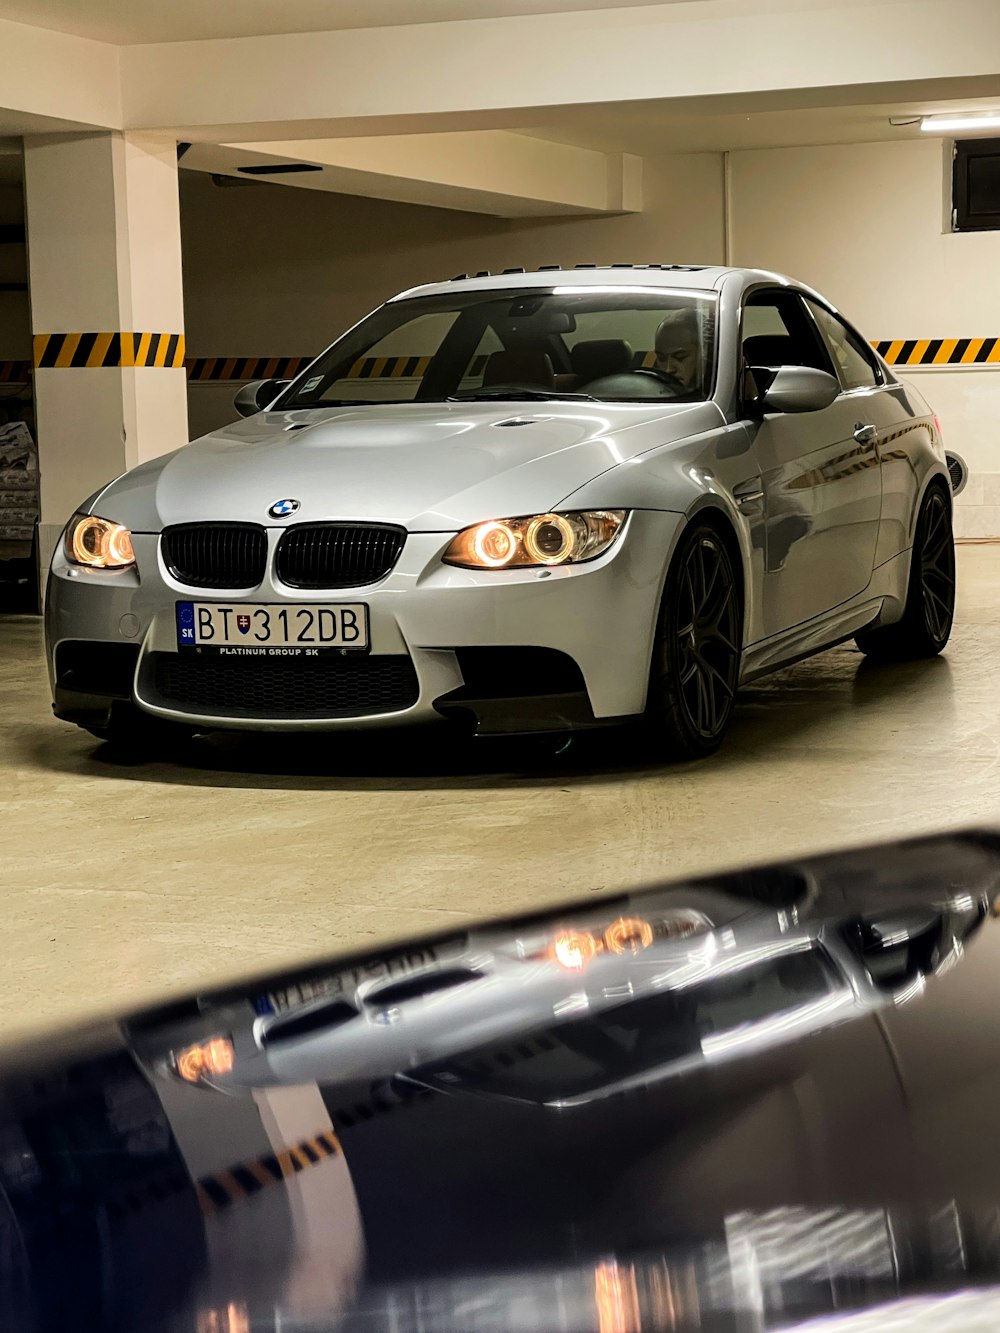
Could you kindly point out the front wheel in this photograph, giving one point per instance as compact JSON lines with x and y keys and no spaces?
{"x":930,"y":599}
{"x":696,"y":653}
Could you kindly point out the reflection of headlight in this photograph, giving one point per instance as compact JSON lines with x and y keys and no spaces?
{"x":542,"y":539}
{"x":574,"y":948}
{"x":98,"y":543}
{"x":206,"y":1058}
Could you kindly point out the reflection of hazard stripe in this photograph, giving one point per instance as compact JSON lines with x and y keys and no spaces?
{"x":15,"y":372}
{"x":393,"y":367}
{"x":224,"y":1188}
{"x":139,"y":1195}
{"x":72,"y":351}
{"x":940,"y":351}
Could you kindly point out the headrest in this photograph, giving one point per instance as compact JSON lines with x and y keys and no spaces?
{"x":599,"y":357}
{"x":527,"y":367}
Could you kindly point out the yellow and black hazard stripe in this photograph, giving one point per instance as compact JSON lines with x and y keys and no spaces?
{"x":15,"y":372}
{"x":940,"y":351}
{"x":222,"y":1189}
{"x":207,"y":368}
{"x":65,"y":351}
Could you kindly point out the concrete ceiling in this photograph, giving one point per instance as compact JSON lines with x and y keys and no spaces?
{"x":648,"y":129}
{"x":122,"y":22}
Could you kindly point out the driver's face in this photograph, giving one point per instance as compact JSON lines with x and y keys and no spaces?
{"x":678,"y":358}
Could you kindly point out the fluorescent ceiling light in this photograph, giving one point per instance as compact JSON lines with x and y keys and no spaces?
{"x":956,"y":124}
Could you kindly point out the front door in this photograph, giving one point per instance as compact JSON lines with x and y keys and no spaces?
{"x":819,"y":473}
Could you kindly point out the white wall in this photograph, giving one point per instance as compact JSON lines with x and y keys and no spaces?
{"x":270,"y":271}
{"x":867,"y":225}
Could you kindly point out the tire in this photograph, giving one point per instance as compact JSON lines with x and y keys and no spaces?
{"x":136,"y":733}
{"x":927,"y":619}
{"x":696,"y":653}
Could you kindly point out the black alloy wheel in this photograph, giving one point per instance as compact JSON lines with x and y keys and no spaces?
{"x":929,"y":614}
{"x":696,"y":656}
{"x":937,"y":570}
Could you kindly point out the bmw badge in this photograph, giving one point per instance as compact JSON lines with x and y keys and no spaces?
{"x":284,"y":508}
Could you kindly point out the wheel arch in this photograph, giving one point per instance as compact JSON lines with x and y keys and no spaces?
{"x":936,"y":480}
{"x":715,"y":518}
{"x":721,"y":521}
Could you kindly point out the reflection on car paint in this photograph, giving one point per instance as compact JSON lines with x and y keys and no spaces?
{"x":759,"y":1100}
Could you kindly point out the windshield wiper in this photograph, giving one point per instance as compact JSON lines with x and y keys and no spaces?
{"x":517,"y":395}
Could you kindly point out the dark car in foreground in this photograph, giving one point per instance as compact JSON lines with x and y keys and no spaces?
{"x":747,"y":1101}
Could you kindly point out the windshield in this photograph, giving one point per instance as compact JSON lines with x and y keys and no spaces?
{"x":613,"y":345}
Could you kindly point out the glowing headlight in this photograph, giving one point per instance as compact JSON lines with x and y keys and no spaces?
{"x":541,"y":539}
{"x":98,"y":543}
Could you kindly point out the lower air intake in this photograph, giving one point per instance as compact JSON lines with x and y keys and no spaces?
{"x":268,"y":688}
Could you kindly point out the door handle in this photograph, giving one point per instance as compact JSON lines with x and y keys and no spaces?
{"x":865,"y":434}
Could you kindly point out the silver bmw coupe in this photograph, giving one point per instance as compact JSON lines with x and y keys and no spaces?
{"x":528,"y":502}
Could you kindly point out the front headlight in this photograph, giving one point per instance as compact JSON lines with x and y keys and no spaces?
{"x":541,"y":539}
{"x":98,"y":543}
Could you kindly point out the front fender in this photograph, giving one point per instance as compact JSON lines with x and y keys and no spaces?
{"x":690,"y":477}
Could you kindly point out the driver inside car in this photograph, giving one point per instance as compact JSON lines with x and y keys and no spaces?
{"x":678,"y":349}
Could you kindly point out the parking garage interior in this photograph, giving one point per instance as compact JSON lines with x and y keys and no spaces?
{"x":249,"y":185}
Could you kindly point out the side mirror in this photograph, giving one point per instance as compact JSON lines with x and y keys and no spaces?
{"x":257,"y":395}
{"x":795,"y":389}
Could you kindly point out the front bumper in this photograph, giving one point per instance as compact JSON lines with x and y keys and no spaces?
{"x":112,"y":636}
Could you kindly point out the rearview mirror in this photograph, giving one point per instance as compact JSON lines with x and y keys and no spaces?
{"x":257,"y":395}
{"x":796,"y":389}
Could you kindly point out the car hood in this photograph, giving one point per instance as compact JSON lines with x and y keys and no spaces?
{"x":430,"y":467}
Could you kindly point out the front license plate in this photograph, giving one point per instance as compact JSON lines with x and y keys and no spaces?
{"x":245,"y":629}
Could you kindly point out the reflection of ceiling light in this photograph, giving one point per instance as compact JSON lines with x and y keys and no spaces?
{"x":956,"y":124}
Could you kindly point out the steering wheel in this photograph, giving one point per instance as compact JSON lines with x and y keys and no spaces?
{"x":639,"y":383}
{"x":664,"y":376}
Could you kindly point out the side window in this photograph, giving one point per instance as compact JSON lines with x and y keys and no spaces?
{"x":854,"y":360}
{"x":776,"y":331}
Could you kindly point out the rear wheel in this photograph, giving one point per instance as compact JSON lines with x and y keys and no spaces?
{"x":696,"y":654}
{"x":930,"y":599}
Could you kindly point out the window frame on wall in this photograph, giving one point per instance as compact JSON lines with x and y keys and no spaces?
{"x":968,"y":151}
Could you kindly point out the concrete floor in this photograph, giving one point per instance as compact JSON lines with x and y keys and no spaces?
{"x":122,"y":882}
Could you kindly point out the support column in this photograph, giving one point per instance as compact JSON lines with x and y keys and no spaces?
{"x":104,"y":267}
